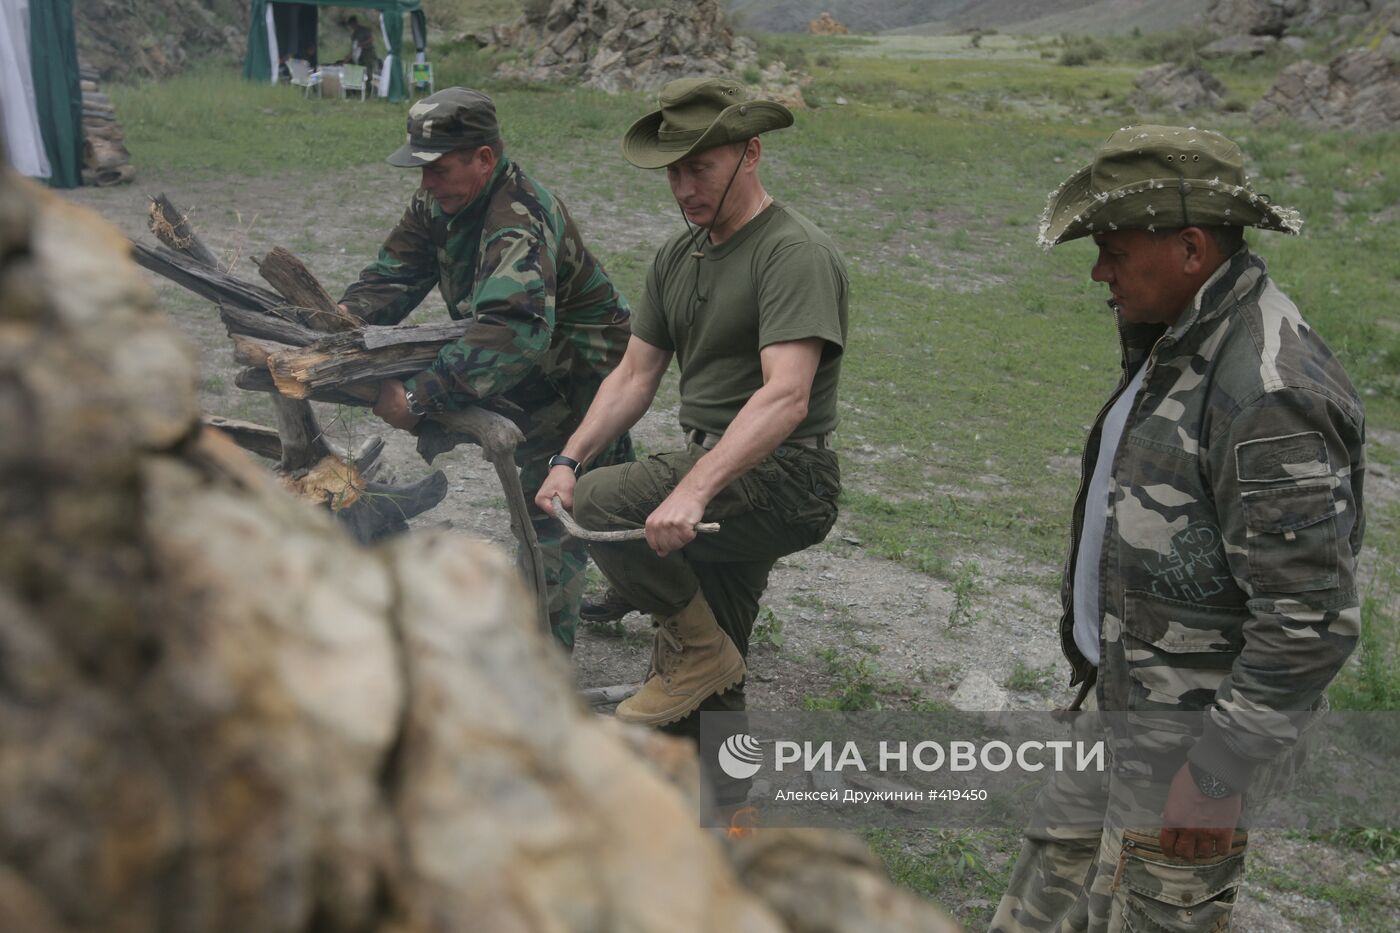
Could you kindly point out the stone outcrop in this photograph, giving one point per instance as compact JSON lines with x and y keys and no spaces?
{"x":614,"y":46}
{"x":1238,"y":47}
{"x":1178,"y":89}
{"x":219,"y":713}
{"x":1359,"y":89}
{"x":1274,"y":17}
{"x":827,"y":25}
{"x":126,"y":39}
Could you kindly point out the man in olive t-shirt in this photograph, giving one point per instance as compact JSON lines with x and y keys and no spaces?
{"x":751,"y":300}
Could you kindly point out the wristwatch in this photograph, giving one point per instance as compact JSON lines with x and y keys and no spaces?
{"x":414,"y":406}
{"x":570,"y":462}
{"x":1209,"y":785}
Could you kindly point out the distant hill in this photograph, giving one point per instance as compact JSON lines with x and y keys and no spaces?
{"x":935,"y":16}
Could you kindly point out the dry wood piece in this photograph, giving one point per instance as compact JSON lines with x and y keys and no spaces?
{"x":294,"y":282}
{"x":173,"y":229}
{"x":255,"y":438}
{"x":629,"y":534}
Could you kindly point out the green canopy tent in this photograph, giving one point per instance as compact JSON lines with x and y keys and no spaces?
{"x":262,"y":58}
{"x":53,"y":95}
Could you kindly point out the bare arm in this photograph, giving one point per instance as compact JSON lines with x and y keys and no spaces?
{"x":767,"y":419}
{"x":621,"y":401}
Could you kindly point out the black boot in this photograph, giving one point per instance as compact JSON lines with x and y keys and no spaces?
{"x":606,"y":608}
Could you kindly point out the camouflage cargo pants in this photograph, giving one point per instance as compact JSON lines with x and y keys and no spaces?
{"x":784,"y":504}
{"x":1111,"y":878}
{"x":565,"y":559}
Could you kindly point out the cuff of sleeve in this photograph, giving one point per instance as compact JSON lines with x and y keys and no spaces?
{"x":429,"y":389}
{"x":1214,"y":753}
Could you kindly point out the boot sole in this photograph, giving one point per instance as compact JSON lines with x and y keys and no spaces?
{"x":731,"y":678}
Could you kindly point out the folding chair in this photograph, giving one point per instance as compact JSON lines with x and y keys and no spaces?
{"x":420,"y":77}
{"x":303,"y":77}
{"x":353,"y":78}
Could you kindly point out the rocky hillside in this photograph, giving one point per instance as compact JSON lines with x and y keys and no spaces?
{"x":1052,"y":16}
{"x":154,"y":38}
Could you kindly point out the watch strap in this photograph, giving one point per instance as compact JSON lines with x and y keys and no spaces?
{"x":562,"y":460}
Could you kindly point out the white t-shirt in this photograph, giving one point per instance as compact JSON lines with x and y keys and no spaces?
{"x":1088,"y":620}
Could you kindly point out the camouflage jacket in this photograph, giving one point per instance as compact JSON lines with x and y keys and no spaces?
{"x":1227,"y":582}
{"x":545,"y":322}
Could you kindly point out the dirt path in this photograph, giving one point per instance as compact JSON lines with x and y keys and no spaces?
{"x":843,"y":617}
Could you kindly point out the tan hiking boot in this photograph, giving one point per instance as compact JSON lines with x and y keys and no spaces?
{"x":692,"y":659}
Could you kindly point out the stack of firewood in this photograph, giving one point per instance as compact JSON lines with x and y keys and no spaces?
{"x":105,"y":159}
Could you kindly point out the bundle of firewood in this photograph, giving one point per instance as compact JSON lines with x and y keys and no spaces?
{"x":105,"y":159}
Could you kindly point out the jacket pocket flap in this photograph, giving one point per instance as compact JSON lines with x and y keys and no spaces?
{"x":1179,"y":627}
{"x":1280,"y":459}
{"x":1288,"y":508}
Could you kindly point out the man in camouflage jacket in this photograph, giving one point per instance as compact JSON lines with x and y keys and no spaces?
{"x":546,"y":323}
{"x":1210,"y":587}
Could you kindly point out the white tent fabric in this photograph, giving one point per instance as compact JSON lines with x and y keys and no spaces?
{"x":24,"y":147}
{"x":388,"y":59}
{"x":274,"y":55}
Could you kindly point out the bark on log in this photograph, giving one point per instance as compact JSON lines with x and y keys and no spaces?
{"x":294,"y":282}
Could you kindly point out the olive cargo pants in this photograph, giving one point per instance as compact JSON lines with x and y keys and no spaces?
{"x":787,"y":502}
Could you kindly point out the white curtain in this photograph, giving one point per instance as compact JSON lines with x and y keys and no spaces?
{"x":274,"y":54}
{"x":24,"y":146}
{"x":389,"y":57}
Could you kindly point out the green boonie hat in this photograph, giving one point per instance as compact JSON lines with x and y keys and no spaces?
{"x":455,"y":118}
{"x":698,"y":114}
{"x":1150,"y":177}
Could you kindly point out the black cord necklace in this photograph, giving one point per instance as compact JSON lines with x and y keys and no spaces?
{"x":696,"y":242}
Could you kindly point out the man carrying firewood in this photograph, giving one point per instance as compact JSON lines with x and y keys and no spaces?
{"x":546,"y":325}
{"x":751,"y":300}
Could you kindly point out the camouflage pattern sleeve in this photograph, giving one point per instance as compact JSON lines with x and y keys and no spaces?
{"x":512,"y":309}
{"x":1286,"y":473}
{"x":407,"y":269}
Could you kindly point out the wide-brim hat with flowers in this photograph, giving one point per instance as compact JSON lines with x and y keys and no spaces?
{"x":1160,"y":178}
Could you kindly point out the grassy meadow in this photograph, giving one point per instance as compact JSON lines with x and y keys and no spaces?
{"x":976,"y":361}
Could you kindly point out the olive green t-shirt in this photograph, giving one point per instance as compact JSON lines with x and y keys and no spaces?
{"x":778,"y":279}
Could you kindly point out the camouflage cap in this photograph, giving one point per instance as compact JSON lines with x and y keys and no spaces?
{"x":455,"y":118}
{"x":697,"y":114}
{"x":1150,"y":177}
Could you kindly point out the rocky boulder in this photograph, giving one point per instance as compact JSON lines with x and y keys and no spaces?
{"x":1359,"y":89}
{"x":827,"y":25}
{"x":614,"y":46}
{"x":218,"y":713}
{"x":1274,"y":17}
{"x":1239,"y":47}
{"x":1177,"y":89}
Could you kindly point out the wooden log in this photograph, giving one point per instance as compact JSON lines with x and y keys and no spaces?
{"x":294,"y":282}
{"x":204,"y":280}
{"x":367,"y":456}
{"x":303,"y":444}
{"x":258,"y":379}
{"x":266,"y":327}
{"x":255,"y":438}
{"x":253,"y":351}
{"x":172,"y":228}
